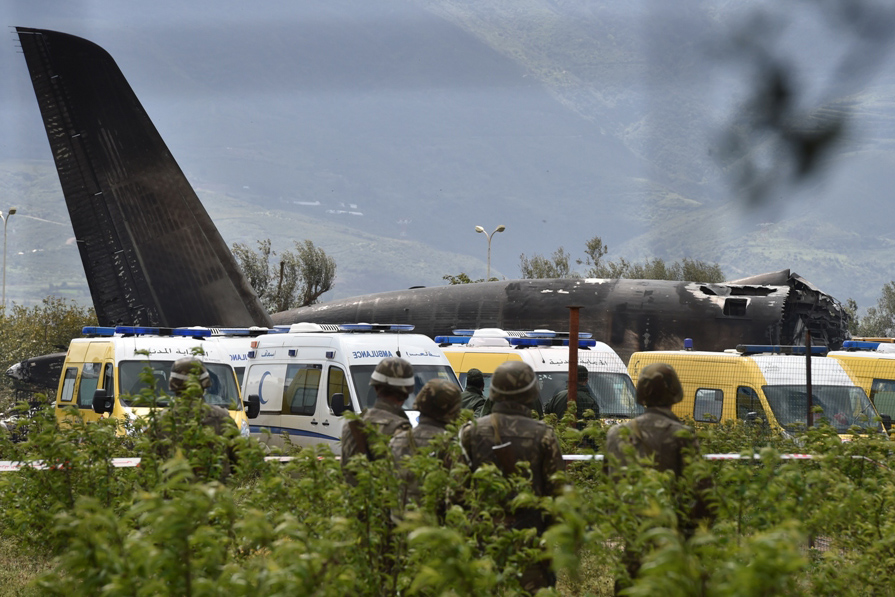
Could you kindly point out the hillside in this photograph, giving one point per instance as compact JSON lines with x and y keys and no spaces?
{"x":386,"y":132}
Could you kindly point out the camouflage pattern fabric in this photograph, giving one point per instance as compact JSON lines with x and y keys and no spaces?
{"x":439,"y":399}
{"x":408,"y":442}
{"x":654,"y":434}
{"x":529,"y":440}
{"x":474,"y":400}
{"x":215,"y":417}
{"x":586,"y":401}
{"x":518,"y":438}
{"x":659,"y":385}
{"x":535,"y":410}
{"x":395,"y":372}
{"x":388,"y":418}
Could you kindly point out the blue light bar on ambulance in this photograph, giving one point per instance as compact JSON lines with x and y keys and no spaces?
{"x":252,"y":331}
{"x":747,"y":349}
{"x":583,"y":343}
{"x":452,"y":339}
{"x":859,"y":345}
{"x":552,"y":334}
{"x":132,"y":330}
{"x":93,"y":330}
{"x":376,"y":327}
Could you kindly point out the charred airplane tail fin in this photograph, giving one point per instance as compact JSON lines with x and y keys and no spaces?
{"x":150,"y":251}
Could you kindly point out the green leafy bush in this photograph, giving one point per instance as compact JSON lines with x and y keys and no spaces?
{"x":172,"y":527}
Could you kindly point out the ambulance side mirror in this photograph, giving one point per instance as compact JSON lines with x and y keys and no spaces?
{"x":253,"y":406}
{"x":338,"y":404}
{"x":887,"y":422}
{"x":102,"y":402}
{"x":755,"y":418}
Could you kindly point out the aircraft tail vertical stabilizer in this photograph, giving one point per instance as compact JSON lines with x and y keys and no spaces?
{"x":150,"y":251}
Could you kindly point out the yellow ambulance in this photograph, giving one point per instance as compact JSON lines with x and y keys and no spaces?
{"x":547,"y":352}
{"x":871,"y":365}
{"x":101,"y":376}
{"x":764,"y":383}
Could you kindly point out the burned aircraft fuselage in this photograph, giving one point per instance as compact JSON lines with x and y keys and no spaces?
{"x":629,"y":315}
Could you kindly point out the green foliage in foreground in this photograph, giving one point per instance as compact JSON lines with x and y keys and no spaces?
{"x":171,"y":527}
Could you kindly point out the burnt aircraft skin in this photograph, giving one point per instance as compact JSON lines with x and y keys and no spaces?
{"x":629,"y":315}
{"x":151,"y":253}
{"x":43,"y":371}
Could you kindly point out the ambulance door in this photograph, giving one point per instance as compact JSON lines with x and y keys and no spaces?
{"x":89,"y":382}
{"x":336,"y":383}
{"x":66,"y":394}
{"x":266,"y":380}
{"x":301,"y":389}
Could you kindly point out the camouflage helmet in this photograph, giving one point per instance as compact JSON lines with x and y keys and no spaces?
{"x":515,"y":381}
{"x":658,"y":385}
{"x":439,"y":399}
{"x":394,"y":373}
{"x":181,"y":371}
{"x":475,"y":378}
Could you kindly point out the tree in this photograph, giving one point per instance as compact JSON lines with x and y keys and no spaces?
{"x":461,"y":278}
{"x":294,"y":280}
{"x":689,"y":270}
{"x":879,"y":322}
{"x":317,"y":271}
{"x":27,"y":332}
{"x":539,"y":266}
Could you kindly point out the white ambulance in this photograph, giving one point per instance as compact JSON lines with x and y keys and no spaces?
{"x":548,"y":354}
{"x":306,"y":378}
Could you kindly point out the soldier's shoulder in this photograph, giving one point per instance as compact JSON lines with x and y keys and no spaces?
{"x":401,"y":438}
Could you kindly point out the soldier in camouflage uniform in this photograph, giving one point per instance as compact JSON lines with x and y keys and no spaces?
{"x":585,"y":399}
{"x":535,"y":405}
{"x":509,"y":435}
{"x":473,"y":397}
{"x":393,"y":382}
{"x":660,"y":435}
{"x":439,"y":404}
{"x":172,"y":427}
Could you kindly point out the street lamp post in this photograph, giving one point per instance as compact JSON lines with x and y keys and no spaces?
{"x":500,"y":228}
{"x":5,"y":219}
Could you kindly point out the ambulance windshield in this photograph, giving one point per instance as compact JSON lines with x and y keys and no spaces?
{"x":422,"y":373}
{"x":222,"y":392}
{"x":843,"y":406}
{"x":614,"y":392}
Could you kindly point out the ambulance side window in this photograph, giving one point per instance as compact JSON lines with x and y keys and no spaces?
{"x":337,"y":383}
{"x":88,"y":385}
{"x":68,"y":384}
{"x":748,"y":402}
{"x":882,"y":394}
{"x":108,"y":384}
{"x":301,"y":387}
{"x":707,"y":407}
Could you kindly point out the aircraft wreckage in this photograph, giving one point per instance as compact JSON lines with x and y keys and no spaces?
{"x":134,"y":214}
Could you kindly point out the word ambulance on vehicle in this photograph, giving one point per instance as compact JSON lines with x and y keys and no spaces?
{"x":307,"y":378}
{"x":766,"y":384}
{"x":871,"y":365}
{"x":547,"y":352}
{"x":101,"y":375}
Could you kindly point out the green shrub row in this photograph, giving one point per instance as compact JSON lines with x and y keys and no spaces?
{"x":171,"y":527}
